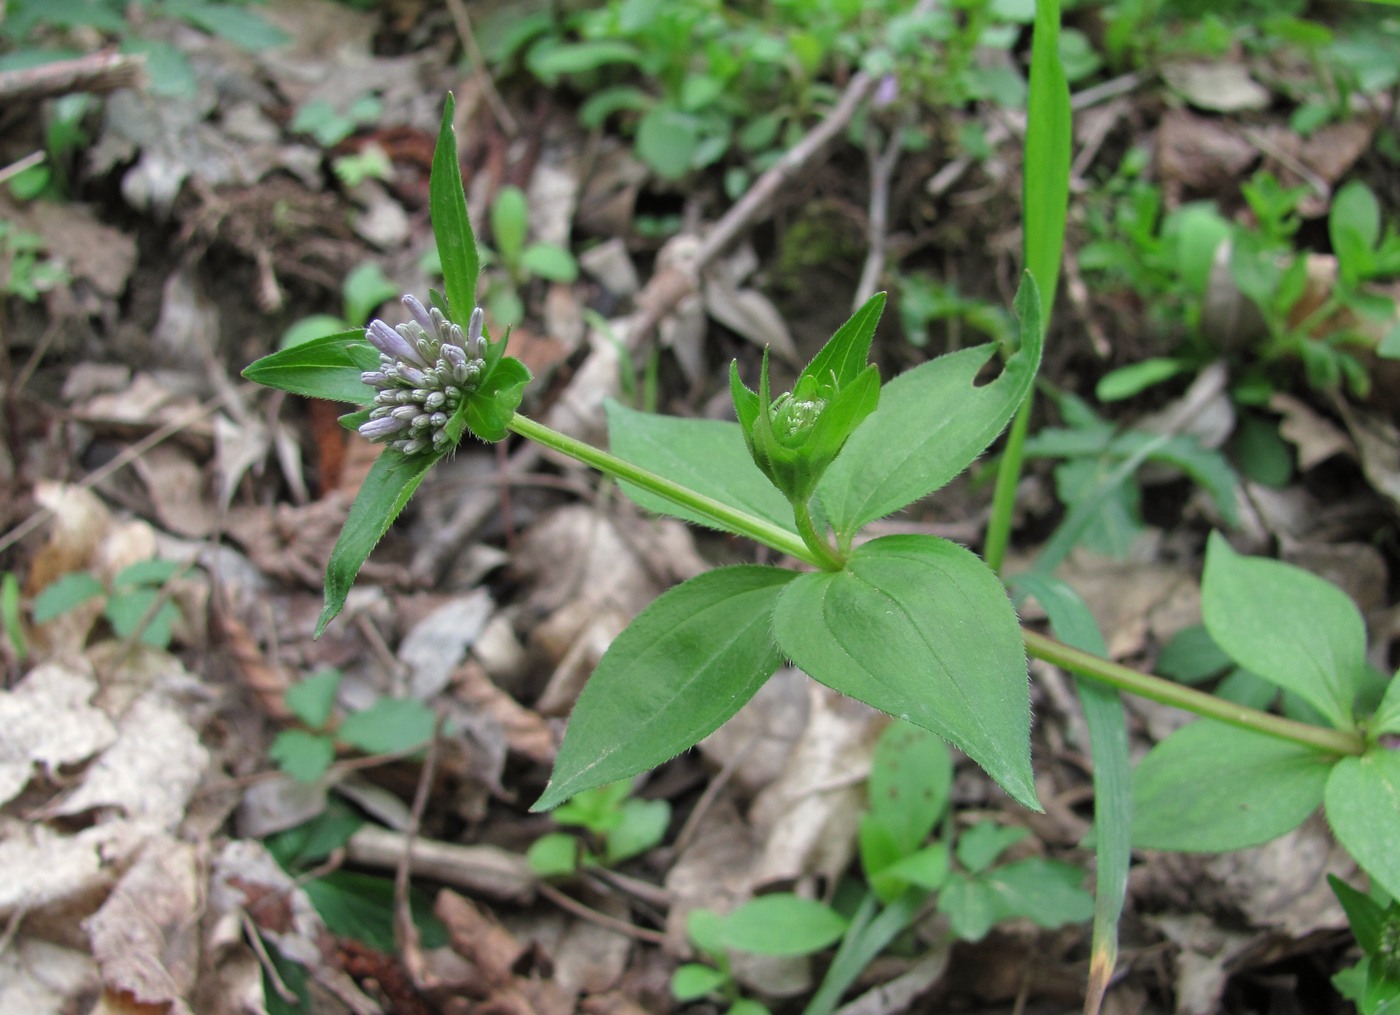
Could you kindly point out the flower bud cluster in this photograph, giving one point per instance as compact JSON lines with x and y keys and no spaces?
{"x":426,"y":367}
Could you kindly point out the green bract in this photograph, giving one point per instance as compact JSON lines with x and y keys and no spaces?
{"x":794,"y":437}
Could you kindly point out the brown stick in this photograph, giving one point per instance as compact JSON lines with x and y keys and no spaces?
{"x":101,"y":72}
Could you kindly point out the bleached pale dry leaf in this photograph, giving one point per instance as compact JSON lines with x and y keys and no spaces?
{"x":146,"y":404}
{"x":150,"y":771}
{"x":504,"y":962}
{"x":278,"y":803}
{"x":1133,"y":600}
{"x":79,"y":522}
{"x":713,"y":869}
{"x":248,"y":881}
{"x":759,"y":739}
{"x":238,"y":447}
{"x":37,"y":976}
{"x":40,"y":867}
{"x":750,"y":315}
{"x":1200,"y":153}
{"x":1316,"y":437}
{"x":47,"y":720}
{"x":807,"y":819}
{"x":1205,"y":950}
{"x":525,"y":730}
{"x":177,"y":487}
{"x":146,"y":936}
{"x":682,"y":331}
{"x":1223,"y":86}
{"x":434,"y":647}
{"x":600,"y":626}
{"x":186,"y":334}
{"x":1282,"y":884}
{"x":578,"y":411}
{"x":611,"y":265}
{"x":379,"y":219}
{"x":586,"y":958}
{"x":1358,"y":569}
{"x":1378,"y":441}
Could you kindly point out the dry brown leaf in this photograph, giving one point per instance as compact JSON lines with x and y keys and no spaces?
{"x":503,"y":962}
{"x":1316,"y":437}
{"x":146,"y":936}
{"x":1199,"y":154}
{"x":806,"y":820}
{"x":47,"y":720}
{"x":37,"y":976}
{"x":151,"y":770}
{"x":526,"y":731}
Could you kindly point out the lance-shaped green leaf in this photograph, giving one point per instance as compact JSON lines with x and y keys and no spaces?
{"x":1363,"y":808}
{"x":1210,"y":787}
{"x":920,"y":628}
{"x":845,"y":353}
{"x":1289,"y":626}
{"x":686,"y":664}
{"x":321,"y":368}
{"x":452,"y":229}
{"x":390,"y":483}
{"x":931,"y":423}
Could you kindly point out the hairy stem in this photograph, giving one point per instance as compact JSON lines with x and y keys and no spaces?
{"x":827,"y":558}
{"x":1167,"y":692}
{"x":724,"y":516}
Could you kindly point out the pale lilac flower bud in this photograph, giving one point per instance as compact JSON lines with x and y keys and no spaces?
{"x":391,"y":343}
{"x":427,"y":366}
{"x":378,"y":429}
{"x":886,"y":92}
{"x":419,"y":312}
{"x":473,"y":344}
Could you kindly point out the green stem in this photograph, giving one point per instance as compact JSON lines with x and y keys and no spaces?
{"x":1004,"y":496}
{"x":726,"y":517}
{"x":827,"y":558}
{"x":1153,"y":688}
{"x":1113,"y":674}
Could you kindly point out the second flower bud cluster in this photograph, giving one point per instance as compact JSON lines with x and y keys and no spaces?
{"x":426,"y":367}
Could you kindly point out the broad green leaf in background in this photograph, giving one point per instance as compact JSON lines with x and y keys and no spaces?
{"x":706,"y":455}
{"x":546,"y":261}
{"x":911,"y":776}
{"x":312,"y":699}
{"x":64,"y":593}
{"x":642,"y":825}
{"x":1050,"y":893}
{"x":979,"y":847}
{"x":1363,"y":808}
{"x":365,"y":288}
{"x":782,"y":924}
{"x":452,"y":229}
{"x":684,"y":666}
{"x":692,"y":981}
{"x":921,"y":629}
{"x":510,"y":218}
{"x":668,"y":140}
{"x":1210,"y":787}
{"x":1125,"y":382}
{"x":1354,"y":227}
{"x":361,"y":907}
{"x":1289,"y":626}
{"x":302,"y":755}
{"x":932,"y":422}
{"x":389,"y":725}
{"x":386,"y":489}
{"x":319,"y":368}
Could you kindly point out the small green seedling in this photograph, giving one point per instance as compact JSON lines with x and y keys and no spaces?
{"x":329,"y":124}
{"x":26,"y":271}
{"x":1373,"y":984}
{"x":134,"y":603}
{"x":617,"y":827}
{"x":520,"y":259}
{"x":1096,"y":479}
{"x":782,"y":925}
{"x":389,"y":726}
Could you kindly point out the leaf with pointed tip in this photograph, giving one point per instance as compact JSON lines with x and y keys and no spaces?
{"x":319,"y":368}
{"x":388,"y":487}
{"x":931,"y":423}
{"x":920,"y":628}
{"x":686,"y":664}
{"x":452,"y":229}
